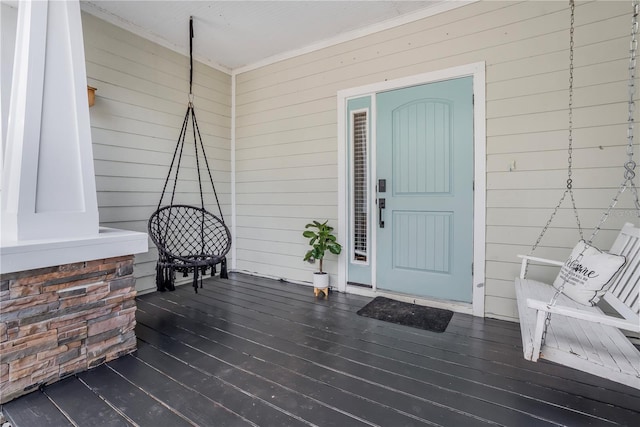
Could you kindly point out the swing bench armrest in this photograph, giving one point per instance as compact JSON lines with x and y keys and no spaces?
{"x":590,"y":316}
{"x":527,"y":258}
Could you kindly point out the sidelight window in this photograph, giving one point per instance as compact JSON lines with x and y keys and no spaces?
{"x":360,"y":189}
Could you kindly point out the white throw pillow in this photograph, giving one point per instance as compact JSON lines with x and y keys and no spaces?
{"x":587,"y":273}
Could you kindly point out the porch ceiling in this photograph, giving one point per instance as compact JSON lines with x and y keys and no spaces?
{"x":237,"y":34}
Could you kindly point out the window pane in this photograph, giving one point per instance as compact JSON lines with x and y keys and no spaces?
{"x":360,"y":201}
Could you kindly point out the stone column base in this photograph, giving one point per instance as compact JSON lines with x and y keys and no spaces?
{"x":58,"y":321}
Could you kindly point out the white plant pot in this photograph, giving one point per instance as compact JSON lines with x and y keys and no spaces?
{"x":320,"y":280}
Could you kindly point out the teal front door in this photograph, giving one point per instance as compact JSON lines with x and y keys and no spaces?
{"x":424,"y":165}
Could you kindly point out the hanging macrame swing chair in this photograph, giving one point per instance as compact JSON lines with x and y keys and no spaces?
{"x":579,"y":334}
{"x":190,"y":239}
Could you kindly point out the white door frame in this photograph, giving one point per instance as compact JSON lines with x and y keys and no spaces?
{"x":477,"y":72}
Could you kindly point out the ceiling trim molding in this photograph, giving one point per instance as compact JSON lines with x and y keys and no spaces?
{"x":100,"y":13}
{"x":436,"y":9}
{"x":351,"y":35}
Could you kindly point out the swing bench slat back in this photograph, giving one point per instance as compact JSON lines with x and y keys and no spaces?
{"x":582,"y":337}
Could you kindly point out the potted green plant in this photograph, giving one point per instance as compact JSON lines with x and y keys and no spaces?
{"x":321,"y":240}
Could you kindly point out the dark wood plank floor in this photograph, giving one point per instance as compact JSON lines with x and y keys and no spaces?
{"x":256,"y":352}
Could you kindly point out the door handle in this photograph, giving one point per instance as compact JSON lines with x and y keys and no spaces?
{"x":381,"y":205}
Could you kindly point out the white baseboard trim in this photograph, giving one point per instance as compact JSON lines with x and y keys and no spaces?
{"x":267,"y":276}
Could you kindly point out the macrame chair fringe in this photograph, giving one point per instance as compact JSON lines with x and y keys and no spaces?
{"x":223,"y":269}
{"x":164,"y":278}
{"x":190,"y":239}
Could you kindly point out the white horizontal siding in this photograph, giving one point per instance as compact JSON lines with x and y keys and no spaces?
{"x":140,"y":105}
{"x":286,"y":128}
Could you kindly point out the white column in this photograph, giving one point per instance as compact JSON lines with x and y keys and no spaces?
{"x":49,"y":205}
{"x":8,"y":22}
{"x":49,"y":189}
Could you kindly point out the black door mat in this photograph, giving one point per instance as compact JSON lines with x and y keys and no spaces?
{"x":404,"y":313}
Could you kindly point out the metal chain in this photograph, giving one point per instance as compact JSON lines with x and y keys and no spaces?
{"x":549,"y":221}
{"x":547,"y":323}
{"x":569,"y":189}
{"x":630,"y":164}
{"x":569,"y":186}
{"x":633,"y":49}
{"x":570,"y":149}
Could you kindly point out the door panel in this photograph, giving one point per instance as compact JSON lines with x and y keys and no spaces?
{"x":425,"y":152}
{"x":422,"y":241}
{"x":422,"y":148}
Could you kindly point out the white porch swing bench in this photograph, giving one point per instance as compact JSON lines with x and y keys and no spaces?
{"x":583,"y":337}
{"x":576,"y":331}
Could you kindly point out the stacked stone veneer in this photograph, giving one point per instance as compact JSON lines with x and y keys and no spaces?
{"x":62,"y":320}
